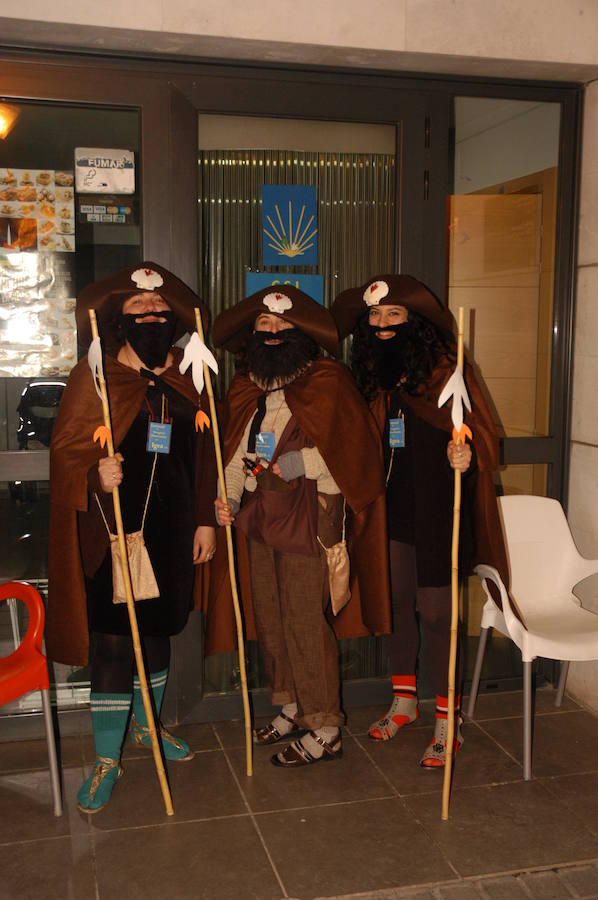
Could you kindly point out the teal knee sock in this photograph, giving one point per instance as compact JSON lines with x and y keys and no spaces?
{"x":174,"y":748}
{"x":109,"y":715}
{"x":157,"y":682}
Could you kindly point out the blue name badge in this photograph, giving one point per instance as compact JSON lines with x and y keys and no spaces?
{"x":265,"y":444}
{"x":396,"y":434}
{"x":158,"y":437}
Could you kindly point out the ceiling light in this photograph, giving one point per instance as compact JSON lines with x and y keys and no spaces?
{"x":8,"y":116}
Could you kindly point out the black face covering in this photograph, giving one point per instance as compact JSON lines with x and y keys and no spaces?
{"x":151,"y":341}
{"x":389,"y":353}
{"x":270,"y":362}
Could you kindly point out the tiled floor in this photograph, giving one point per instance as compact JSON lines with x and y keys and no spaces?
{"x":366,"y":826}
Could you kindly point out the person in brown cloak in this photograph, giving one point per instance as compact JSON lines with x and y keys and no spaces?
{"x":299,"y":446}
{"x":167,"y":491}
{"x":403,"y":353}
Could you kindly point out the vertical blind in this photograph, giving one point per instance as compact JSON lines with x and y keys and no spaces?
{"x":357,"y":239}
{"x":356,"y":218}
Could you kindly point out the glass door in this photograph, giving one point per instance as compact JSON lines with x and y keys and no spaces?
{"x":502,"y":222}
{"x":354,"y":170}
{"x":56,"y":235}
{"x":401,"y":123}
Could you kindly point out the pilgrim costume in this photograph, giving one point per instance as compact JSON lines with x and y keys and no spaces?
{"x":419,"y":484}
{"x":168,"y":489}
{"x":303,"y":466}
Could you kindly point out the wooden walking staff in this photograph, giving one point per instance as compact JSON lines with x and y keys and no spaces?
{"x":105,"y":436}
{"x":204,"y":355}
{"x":455,"y":388}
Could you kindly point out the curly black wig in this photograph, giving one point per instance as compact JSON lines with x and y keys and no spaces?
{"x":425,"y":347}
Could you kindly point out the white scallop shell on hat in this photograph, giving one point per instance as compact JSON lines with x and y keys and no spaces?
{"x":147,"y":279}
{"x":277,"y":303}
{"x":375,"y":292}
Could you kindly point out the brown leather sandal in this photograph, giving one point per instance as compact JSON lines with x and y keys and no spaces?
{"x":270,"y":734}
{"x":296,"y":754}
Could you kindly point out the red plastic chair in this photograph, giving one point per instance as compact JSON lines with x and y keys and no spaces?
{"x":26,"y":669}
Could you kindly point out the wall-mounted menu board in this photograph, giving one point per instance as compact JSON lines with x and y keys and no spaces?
{"x":37,"y":210}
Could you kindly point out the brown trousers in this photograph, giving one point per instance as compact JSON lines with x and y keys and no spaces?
{"x":298,"y":646}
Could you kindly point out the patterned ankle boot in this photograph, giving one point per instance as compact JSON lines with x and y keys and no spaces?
{"x":434,"y":756}
{"x":402,"y":712}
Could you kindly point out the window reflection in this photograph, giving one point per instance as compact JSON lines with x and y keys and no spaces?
{"x":54,"y":239}
{"x":502,"y":227}
{"x":501,"y":238}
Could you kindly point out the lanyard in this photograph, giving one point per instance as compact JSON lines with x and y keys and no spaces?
{"x":259,"y":418}
{"x":277,"y":411}
{"x":165,"y":417}
{"x":399,"y":411}
{"x":159,"y":433}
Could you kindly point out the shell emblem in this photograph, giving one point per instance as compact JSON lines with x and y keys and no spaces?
{"x":147,"y":279}
{"x":375,"y":292}
{"x":277,"y":303}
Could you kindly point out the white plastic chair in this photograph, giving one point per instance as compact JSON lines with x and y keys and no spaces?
{"x":545,"y":566}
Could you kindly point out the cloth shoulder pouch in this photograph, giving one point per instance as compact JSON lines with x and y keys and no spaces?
{"x":339,"y":569}
{"x":143,"y":579}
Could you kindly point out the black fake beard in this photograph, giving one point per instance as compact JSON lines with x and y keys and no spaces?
{"x":151,"y":341}
{"x":270,"y":363}
{"x":389,"y":354}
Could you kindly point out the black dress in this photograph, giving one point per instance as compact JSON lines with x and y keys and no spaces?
{"x":420,"y":494}
{"x":169,"y":525}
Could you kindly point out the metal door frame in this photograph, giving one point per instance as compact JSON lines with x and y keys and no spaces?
{"x":171,"y":93}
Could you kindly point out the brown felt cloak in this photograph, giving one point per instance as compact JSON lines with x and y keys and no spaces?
{"x":328,"y":407}
{"x":73,"y":454}
{"x":478,"y":487}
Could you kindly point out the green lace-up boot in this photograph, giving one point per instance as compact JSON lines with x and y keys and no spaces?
{"x":109,"y":715}
{"x":173,"y":747}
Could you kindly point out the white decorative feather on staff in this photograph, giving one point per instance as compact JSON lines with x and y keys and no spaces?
{"x":195,"y":355}
{"x":94,"y":358}
{"x":455,"y":388}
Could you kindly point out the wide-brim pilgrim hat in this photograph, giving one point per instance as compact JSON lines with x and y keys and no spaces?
{"x":233,"y":326}
{"x":108,"y":295}
{"x":398,"y":290}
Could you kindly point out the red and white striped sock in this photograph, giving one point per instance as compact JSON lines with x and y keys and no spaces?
{"x":404,"y":686}
{"x":442,"y":706}
{"x":404,"y":703}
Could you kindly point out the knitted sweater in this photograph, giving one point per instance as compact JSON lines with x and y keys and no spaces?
{"x":276,"y":418}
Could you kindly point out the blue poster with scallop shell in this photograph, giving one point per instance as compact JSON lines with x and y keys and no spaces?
{"x":289,"y":225}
